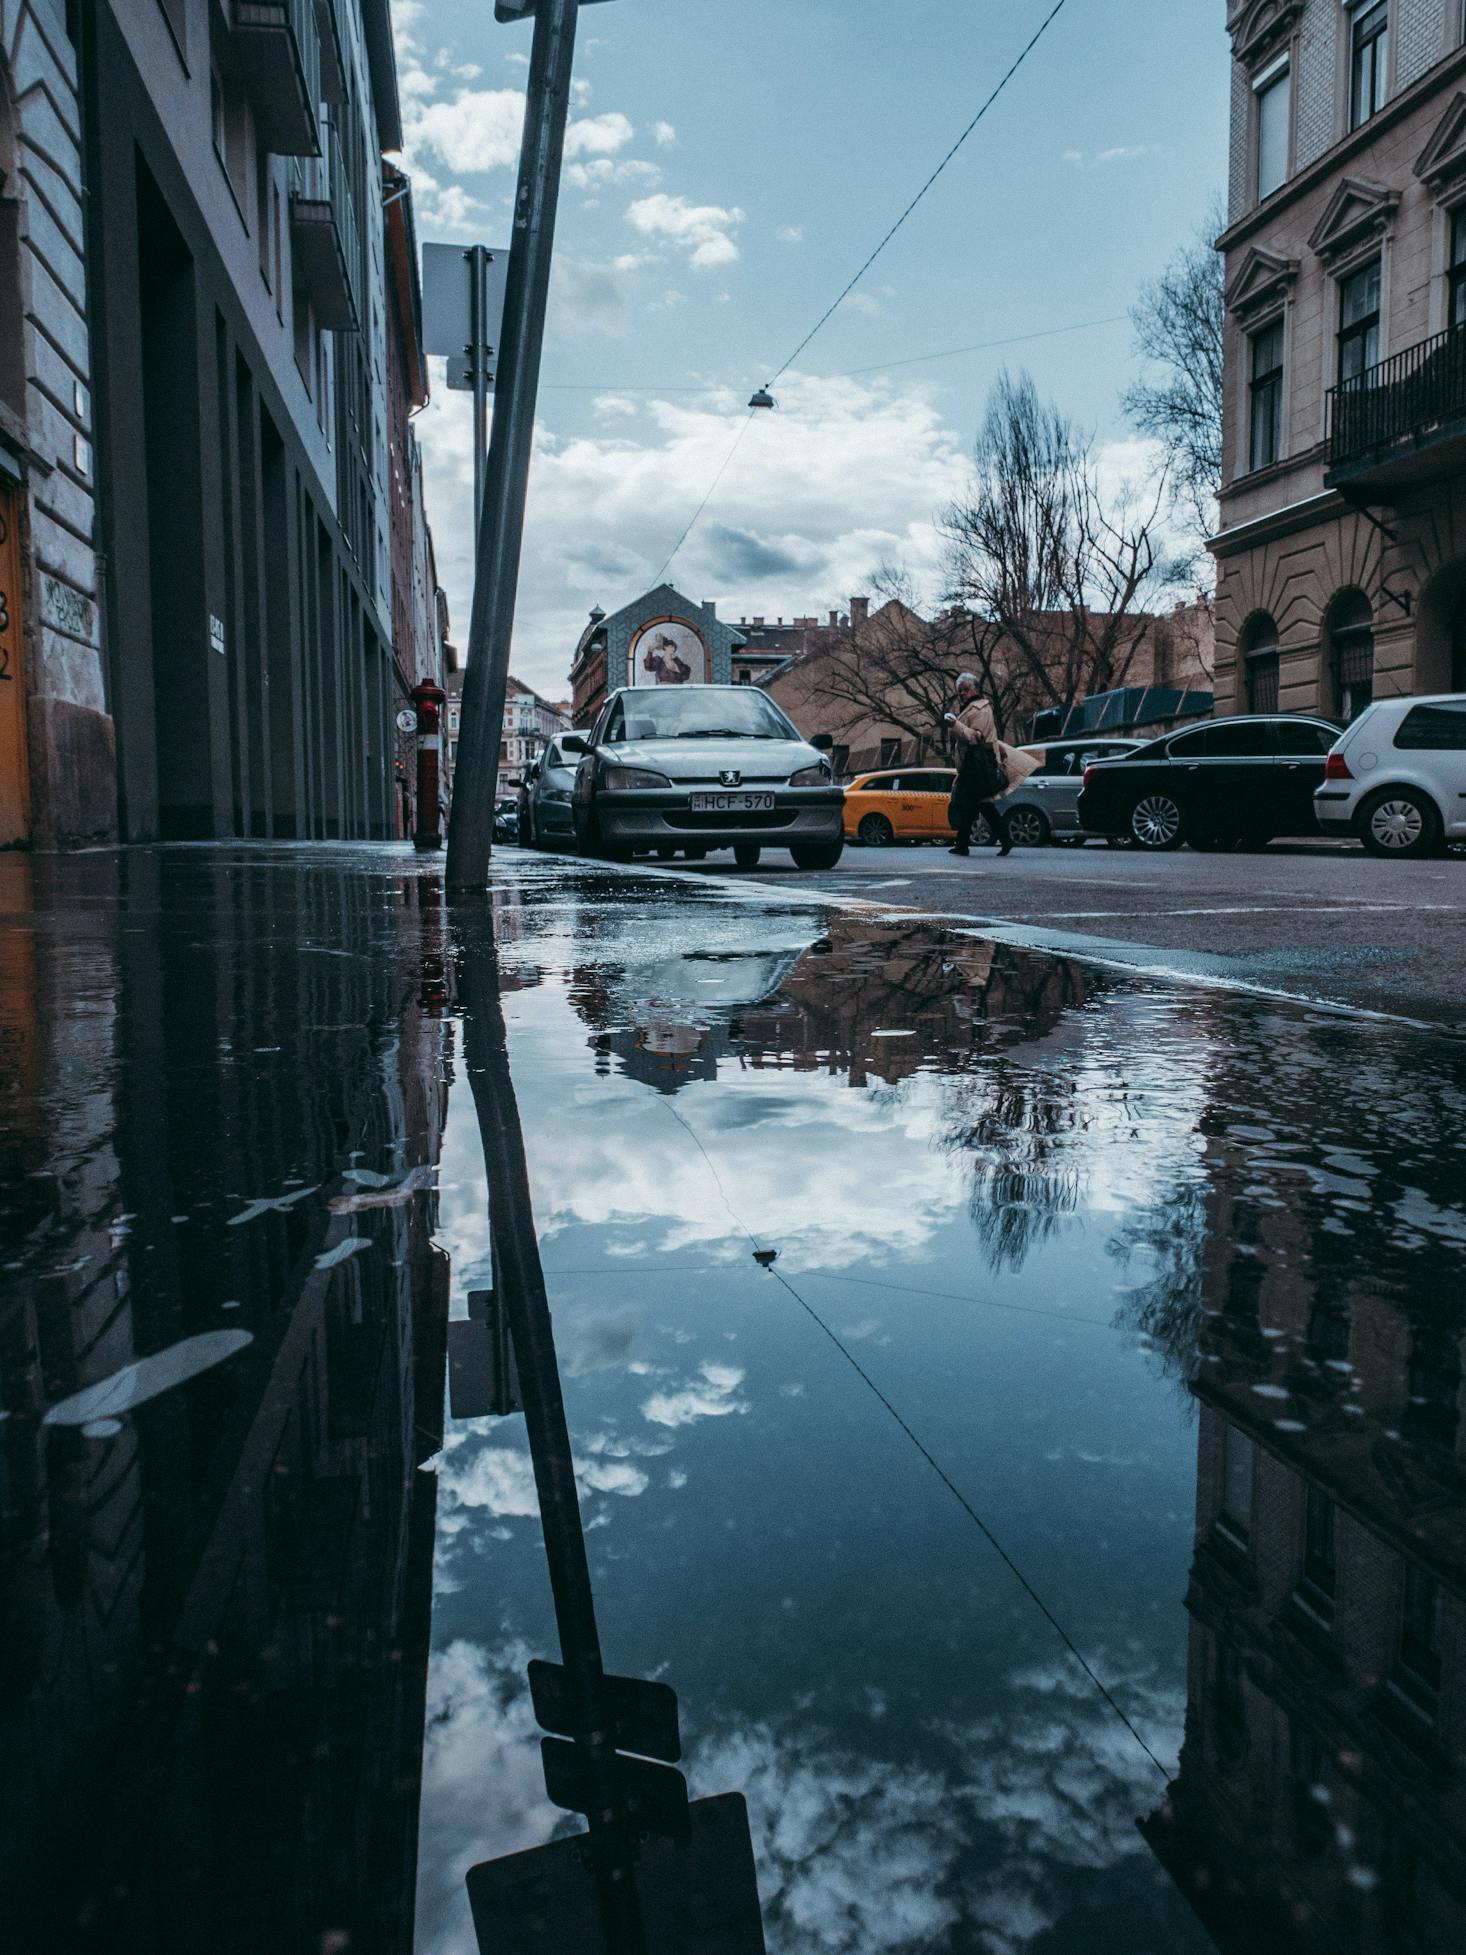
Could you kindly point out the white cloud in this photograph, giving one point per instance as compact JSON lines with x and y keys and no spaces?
{"x":845,"y":475}
{"x":478,"y":130}
{"x":703,"y":230}
{"x":598,"y":135}
{"x":791,"y":234}
{"x":601,"y":172}
{"x":711,"y":1398}
{"x":665,"y":134}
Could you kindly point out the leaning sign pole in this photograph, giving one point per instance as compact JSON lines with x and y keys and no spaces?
{"x":501,"y":526}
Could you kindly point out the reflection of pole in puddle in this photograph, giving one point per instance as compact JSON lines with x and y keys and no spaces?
{"x":654,"y":1873}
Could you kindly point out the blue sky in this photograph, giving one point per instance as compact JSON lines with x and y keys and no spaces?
{"x":730,"y":167}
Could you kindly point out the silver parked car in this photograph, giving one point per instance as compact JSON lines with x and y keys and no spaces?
{"x":545,"y":820}
{"x":1396,"y":778}
{"x":1044,"y":807}
{"x":669,"y":769}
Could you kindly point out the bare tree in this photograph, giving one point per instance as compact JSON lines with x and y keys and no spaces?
{"x":1055,"y":565}
{"x":1178,"y":321}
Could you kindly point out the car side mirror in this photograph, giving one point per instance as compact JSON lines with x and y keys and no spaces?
{"x":822,"y":742}
{"x":574,"y":743}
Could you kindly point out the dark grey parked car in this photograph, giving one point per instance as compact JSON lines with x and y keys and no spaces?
{"x":545,"y":820}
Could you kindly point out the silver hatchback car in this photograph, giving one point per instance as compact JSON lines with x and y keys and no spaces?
{"x":1396,"y":778}
{"x":685,"y":769}
{"x":1044,"y":807}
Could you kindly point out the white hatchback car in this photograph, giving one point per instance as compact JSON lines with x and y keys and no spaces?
{"x":1396,"y":778}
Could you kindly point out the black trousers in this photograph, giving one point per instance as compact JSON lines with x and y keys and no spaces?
{"x":996,"y":819}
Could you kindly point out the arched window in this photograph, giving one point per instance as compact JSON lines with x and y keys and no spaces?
{"x":1350,"y":637}
{"x":1260,"y":662}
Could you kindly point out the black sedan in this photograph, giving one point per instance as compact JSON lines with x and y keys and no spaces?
{"x":1229,"y":783}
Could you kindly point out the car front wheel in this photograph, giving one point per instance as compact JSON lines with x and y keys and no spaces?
{"x":876,"y":832}
{"x":746,"y":854}
{"x":1398,"y":822}
{"x":1155,"y":822}
{"x":816,"y":855}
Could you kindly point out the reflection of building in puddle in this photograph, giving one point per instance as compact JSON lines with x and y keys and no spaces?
{"x":1320,"y":1802}
{"x":872,"y":1000}
{"x":215,"y":1554}
{"x":878,"y":999}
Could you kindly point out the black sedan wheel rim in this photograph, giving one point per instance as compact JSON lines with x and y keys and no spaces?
{"x":1156,"y":821}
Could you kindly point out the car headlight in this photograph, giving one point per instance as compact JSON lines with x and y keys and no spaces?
{"x":811,"y":776}
{"x":619,"y":777}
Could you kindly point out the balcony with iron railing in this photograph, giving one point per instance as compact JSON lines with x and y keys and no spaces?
{"x":277,"y":46}
{"x":324,"y":244}
{"x":1402,"y":422}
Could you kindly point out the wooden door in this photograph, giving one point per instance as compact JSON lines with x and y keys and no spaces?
{"x":14,"y":797}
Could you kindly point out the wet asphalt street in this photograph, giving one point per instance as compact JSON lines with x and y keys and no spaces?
{"x":1014,"y":1401}
{"x":1314,"y":920}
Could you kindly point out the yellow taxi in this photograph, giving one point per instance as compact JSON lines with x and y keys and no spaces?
{"x":899,"y":804}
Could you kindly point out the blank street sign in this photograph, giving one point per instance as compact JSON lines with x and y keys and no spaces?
{"x":447,"y":298}
{"x":642,"y":1714}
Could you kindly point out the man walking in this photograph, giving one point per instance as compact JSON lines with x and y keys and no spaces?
{"x":988,"y":768}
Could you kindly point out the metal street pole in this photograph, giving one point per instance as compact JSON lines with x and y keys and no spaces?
{"x":501,"y":524}
{"x":478,"y":306}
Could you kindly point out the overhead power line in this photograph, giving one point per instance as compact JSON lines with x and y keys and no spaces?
{"x":845,"y":373}
{"x":834,"y":307}
{"x":692,"y":520}
{"x":831,"y":309}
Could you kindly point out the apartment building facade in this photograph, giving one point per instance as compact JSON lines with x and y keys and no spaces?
{"x":237,"y":263}
{"x":1341,"y":556}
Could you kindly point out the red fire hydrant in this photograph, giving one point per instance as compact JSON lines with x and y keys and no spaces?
{"x":428,"y":699}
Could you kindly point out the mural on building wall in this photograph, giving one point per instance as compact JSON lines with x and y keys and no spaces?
{"x":668,"y":653}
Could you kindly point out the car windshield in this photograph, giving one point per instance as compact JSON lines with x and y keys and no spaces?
{"x":703,"y":712}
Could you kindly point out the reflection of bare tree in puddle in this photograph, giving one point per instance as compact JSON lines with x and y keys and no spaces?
{"x":1021,"y":1140}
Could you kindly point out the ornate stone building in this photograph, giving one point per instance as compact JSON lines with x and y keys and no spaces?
{"x":1342,"y":550}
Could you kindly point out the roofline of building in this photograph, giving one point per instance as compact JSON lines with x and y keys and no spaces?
{"x":376,"y":24}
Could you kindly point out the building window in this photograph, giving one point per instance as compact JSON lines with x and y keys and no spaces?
{"x":1237,"y":1460}
{"x":1262,"y":683}
{"x":890,"y":754}
{"x":304,"y":343}
{"x":1369,"y":63}
{"x":1456,"y":275}
{"x":1359,"y":296}
{"x":1261,"y":663}
{"x":1273,"y":94}
{"x":1320,"y":1564}
{"x":1351,"y":654}
{"x":1266,"y":441}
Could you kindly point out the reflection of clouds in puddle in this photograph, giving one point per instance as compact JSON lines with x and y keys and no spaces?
{"x":483,"y":1787}
{"x":864,"y":1856}
{"x":501,"y":1483}
{"x":784,"y":1162}
{"x":712,"y":1398}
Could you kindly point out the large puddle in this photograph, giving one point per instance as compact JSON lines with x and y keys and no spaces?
{"x":1015,"y":1407}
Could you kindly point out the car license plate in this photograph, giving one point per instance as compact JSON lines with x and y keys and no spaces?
{"x":732,"y":804}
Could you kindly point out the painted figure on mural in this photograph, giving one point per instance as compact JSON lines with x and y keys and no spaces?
{"x":665,"y":662}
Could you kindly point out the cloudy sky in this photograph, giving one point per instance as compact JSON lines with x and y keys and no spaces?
{"x":729,"y":168}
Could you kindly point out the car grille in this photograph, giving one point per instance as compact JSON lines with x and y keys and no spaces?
{"x":754,"y":818}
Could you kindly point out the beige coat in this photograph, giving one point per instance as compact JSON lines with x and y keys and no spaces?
{"x":976,"y":723}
